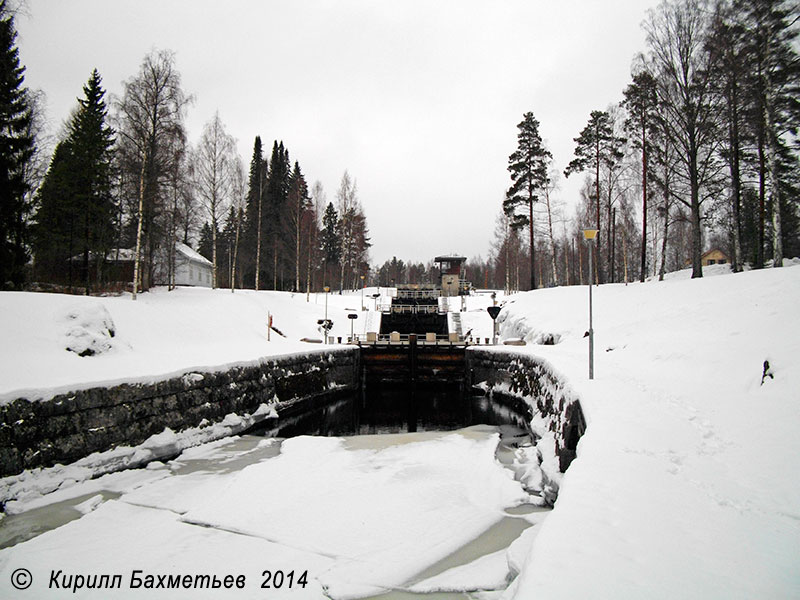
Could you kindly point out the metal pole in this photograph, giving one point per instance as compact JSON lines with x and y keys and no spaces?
{"x":591,"y":330}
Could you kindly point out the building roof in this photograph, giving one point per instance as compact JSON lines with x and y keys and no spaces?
{"x":450,"y":258}
{"x":192,"y":255}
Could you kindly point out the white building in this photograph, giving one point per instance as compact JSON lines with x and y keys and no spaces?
{"x":191,"y":268}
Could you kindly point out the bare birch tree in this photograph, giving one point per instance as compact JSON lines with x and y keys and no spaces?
{"x":150,"y":122}
{"x":214,"y":162}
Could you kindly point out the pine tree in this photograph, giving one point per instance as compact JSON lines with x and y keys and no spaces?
{"x":596,"y":146}
{"x":528,"y":168}
{"x":771,"y":35}
{"x":16,"y":151}
{"x":641,"y":101}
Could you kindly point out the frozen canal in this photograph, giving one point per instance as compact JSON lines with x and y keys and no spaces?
{"x":390,"y":515}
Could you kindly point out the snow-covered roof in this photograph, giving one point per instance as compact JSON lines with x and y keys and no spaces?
{"x":192,"y":255}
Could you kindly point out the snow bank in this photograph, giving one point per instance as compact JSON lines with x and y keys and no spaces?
{"x":162,"y":334}
{"x":685,"y":480}
{"x":36,"y":487}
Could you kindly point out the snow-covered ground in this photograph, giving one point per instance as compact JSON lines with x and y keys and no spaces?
{"x":685,"y":485}
{"x":160,"y":334}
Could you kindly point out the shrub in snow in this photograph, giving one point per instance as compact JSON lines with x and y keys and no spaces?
{"x":89,"y":330}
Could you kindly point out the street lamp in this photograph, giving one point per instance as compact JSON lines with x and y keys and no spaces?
{"x":362,"y":291}
{"x":590,"y":235}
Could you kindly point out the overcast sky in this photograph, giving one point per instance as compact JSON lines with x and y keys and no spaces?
{"x":418,"y":100}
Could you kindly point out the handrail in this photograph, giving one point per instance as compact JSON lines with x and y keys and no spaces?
{"x":425,"y":309}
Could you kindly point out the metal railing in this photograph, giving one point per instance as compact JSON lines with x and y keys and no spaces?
{"x":409,"y":309}
{"x":403,"y":339}
{"x":415,"y":294}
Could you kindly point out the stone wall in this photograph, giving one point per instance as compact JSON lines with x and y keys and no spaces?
{"x":523,"y":378}
{"x":41,"y":433}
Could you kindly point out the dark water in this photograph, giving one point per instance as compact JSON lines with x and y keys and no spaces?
{"x":393,"y":409}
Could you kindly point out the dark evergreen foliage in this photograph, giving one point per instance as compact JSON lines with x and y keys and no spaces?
{"x":206,"y":245}
{"x":16,"y":150}
{"x":528,"y":167}
{"x":254,"y":215}
{"x":76,"y":209}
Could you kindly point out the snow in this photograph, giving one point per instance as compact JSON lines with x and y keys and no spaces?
{"x":685,"y":483}
{"x":191,"y":254}
{"x":160,"y":335}
{"x":361,"y":518}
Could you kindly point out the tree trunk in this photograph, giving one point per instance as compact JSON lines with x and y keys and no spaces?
{"x":772,"y":164}
{"x":736,"y":184}
{"x":762,"y":193}
{"x":533,"y":252}
{"x":297,"y":252}
{"x":213,"y":249}
{"x":259,"y":227}
{"x":136,"y":258}
{"x":552,"y":237}
{"x":643,"y":265}
{"x":597,"y":202}
{"x":694,"y":188}
{"x":236,"y":250}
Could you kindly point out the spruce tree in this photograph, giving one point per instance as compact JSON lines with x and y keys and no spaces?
{"x":16,"y":151}
{"x":206,"y":245}
{"x":55,"y":230}
{"x":254,"y":227}
{"x":330,"y":242}
{"x":76,"y":210}
{"x":277,"y":225}
{"x":528,"y":168}
{"x":90,"y":141}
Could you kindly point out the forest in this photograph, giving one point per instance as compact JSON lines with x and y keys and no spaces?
{"x":699,"y":152}
{"x":124,"y":185}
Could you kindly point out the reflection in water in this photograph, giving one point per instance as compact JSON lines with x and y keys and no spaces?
{"x":392,"y":410}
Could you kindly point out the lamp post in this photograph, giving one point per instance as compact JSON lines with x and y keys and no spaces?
{"x":362,"y":291}
{"x":590,"y":235}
